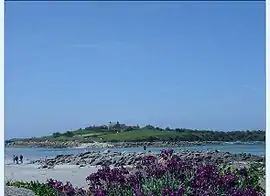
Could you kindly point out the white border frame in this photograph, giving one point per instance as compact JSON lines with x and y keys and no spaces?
{"x":267,"y":93}
{"x":267,"y":134}
{"x":2,"y":93}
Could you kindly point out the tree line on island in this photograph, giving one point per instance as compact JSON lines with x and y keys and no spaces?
{"x":116,"y":132}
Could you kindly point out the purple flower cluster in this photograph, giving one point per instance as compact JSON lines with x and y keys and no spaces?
{"x":166,"y":175}
{"x":67,"y":189}
{"x":112,"y":179}
{"x":149,"y":160}
{"x":166,"y":153}
{"x":246,"y":191}
{"x":173,"y":192}
{"x":205,"y":177}
{"x":228,"y":180}
{"x":108,"y":175}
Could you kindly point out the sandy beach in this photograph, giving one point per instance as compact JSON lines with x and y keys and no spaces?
{"x":28,"y":172}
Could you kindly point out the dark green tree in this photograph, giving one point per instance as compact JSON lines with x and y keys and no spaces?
{"x":69,"y":134}
{"x":56,"y":134}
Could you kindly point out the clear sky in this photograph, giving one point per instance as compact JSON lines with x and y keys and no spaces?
{"x":191,"y":65}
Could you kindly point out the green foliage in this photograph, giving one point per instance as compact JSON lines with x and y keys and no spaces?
{"x":149,"y":133}
{"x":184,"y":135}
{"x":68,"y":134}
{"x":258,"y":173}
{"x":139,"y":135}
{"x":150,"y":127}
{"x":40,"y":189}
{"x":162,"y":178}
{"x":90,"y":131}
{"x":249,"y":176}
{"x":156,"y":185}
{"x":173,"y":176}
{"x":57,"y":134}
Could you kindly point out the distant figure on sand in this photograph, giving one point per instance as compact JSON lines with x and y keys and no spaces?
{"x":16,"y":159}
{"x":21,"y":158}
{"x":144,"y":147}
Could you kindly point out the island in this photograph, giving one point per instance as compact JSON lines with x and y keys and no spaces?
{"x":104,"y":169}
{"x":123,"y":136}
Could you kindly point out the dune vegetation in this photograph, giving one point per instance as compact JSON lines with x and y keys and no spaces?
{"x":169,"y":176}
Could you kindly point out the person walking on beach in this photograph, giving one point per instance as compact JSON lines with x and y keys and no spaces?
{"x":16,"y":159}
{"x":21,"y":158}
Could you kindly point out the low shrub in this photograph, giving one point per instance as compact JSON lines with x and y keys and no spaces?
{"x":168,"y":176}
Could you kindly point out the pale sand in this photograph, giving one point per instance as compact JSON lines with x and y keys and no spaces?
{"x":28,"y":172}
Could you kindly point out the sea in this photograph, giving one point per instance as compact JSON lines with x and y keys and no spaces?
{"x":40,"y":153}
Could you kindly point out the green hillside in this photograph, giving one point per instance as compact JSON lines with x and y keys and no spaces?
{"x":148,"y":133}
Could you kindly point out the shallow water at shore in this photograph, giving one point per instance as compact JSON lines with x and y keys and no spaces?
{"x":37,"y":153}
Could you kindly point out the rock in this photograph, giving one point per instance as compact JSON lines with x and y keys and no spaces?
{"x":14,"y":191}
{"x":107,"y":151}
{"x":43,"y":167}
{"x":130,"y":161}
{"x":116,"y":159}
{"x":59,"y":156}
{"x":127,"y":158}
{"x":97,"y":161}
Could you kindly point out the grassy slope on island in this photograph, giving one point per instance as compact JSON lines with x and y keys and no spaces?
{"x":156,"y":135}
{"x":148,"y":133}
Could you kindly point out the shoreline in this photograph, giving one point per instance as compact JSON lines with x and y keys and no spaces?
{"x":75,"y":168}
{"x":98,"y":145}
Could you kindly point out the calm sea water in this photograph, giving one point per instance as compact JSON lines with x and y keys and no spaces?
{"x":37,"y":153}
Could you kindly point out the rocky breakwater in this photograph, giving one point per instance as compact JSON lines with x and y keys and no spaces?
{"x":44,"y":144}
{"x":95,"y":145}
{"x":117,"y":159}
{"x":92,"y":159}
{"x":170,"y":144}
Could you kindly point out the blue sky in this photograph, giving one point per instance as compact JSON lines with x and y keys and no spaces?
{"x":194,"y":65}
